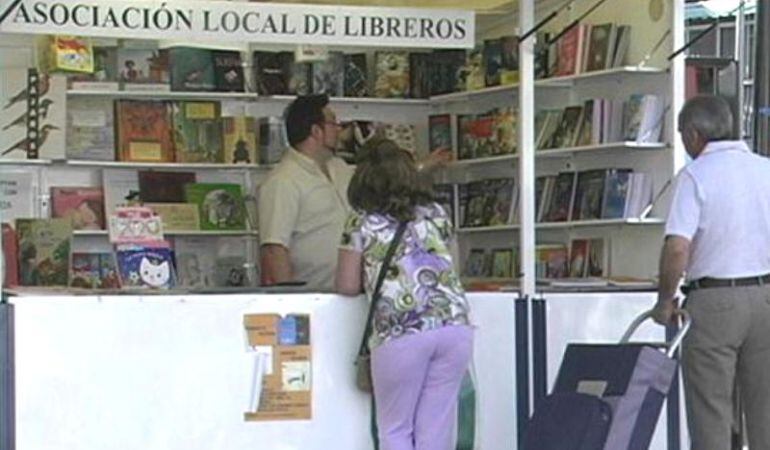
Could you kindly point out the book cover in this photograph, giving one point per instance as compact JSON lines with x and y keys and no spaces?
{"x":440,"y":132}
{"x":475,"y":135}
{"x":392,"y":74}
{"x":228,"y":71}
{"x":502,"y":196}
{"x":446,"y":71}
{"x":241,"y":136}
{"x":356,"y":76}
{"x":230,"y":271}
{"x":509,"y":62}
{"x":140,"y":69}
{"x":93,"y":271}
{"x":91,"y":129}
{"x":272,"y":72}
{"x":44,"y":251}
{"x":564,"y":134}
{"x":598,"y":258}
{"x":329,"y":75}
{"x":84,"y":206}
{"x":477,"y":264}
{"x":220,"y":205}
{"x":616,"y":193}
{"x":197,"y":132}
{"x":177,"y":216}
{"x":10,"y":256}
{"x":600,"y":47}
{"x":543,"y":55}
{"x":502,"y":263}
{"x":493,"y":61}
{"x":551,"y":261}
{"x":17,"y":194}
{"x":622,"y":42}
{"x":562,"y":198}
{"x":479,"y":207}
{"x":474,"y":72}
{"x":419,"y":74}
{"x":504,"y":135}
{"x":585,"y":128}
{"x":105,"y":74}
{"x":444,"y":194}
{"x":272,"y":140}
{"x":403,"y":134}
{"x":66,"y":54}
{"x":589,"y":194}
{"x":195,"y":261}
{"x":163,"y":186}
{"x":192,"y":69}
{"x":144,"y":131}
{"x":578,"y":258}
{"x":568,"y":52}
{"x":299,"y":77}
{"x":145,"y":266}
{"x":119,"y":186}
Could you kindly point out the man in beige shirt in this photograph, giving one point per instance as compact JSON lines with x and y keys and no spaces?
{"x":303,"y":203}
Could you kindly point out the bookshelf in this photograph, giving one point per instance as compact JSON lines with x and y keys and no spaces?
{"x":566,"y":225}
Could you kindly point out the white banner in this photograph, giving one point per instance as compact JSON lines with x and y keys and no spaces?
{"x":228,"y":22}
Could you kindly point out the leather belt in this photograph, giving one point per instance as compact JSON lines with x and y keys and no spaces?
{"x":706,"y":282}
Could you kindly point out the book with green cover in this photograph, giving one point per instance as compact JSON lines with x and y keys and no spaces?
{"x":192,"y":69}
{"x":44,"y":251}
{"x":221,"y":205}
{"x":198,"y":132}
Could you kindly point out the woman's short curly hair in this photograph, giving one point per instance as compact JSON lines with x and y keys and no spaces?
{"x":386,"y":181}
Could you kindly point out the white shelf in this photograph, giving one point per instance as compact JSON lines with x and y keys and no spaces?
{"x":487,"y":160}
{"x":357,"y":100}
{"x":163,"y":95}
{"x":24,"y":162}
{"x":566,"y":225}
{"x":149,"y":165}
{"x":554,"y":82}
{"x":178,"y":233}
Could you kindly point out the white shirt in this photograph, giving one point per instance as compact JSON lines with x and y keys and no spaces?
{"x":722,"y":205}
{"x":303,"y":210}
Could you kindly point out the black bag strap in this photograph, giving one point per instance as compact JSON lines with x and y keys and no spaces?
{"x":364,"y":348}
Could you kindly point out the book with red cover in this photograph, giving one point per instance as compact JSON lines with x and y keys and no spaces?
{"x":144,"y":131}
{"x":568,"y":51}
{"x":163,"y":187}
{"x":10,"y":257}
{"x":83,"y":205}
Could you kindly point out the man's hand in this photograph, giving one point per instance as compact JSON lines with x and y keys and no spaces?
{"x":436,"y":159}
{"x":665,"y":311}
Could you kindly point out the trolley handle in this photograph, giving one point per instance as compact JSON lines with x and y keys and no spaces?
{"x":671,"y":346}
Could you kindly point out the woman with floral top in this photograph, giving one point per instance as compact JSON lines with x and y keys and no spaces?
{"x":421,"y":342}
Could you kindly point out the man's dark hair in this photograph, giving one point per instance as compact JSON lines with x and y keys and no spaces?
{"x":386,"y":181}
{"x":301,"y":114}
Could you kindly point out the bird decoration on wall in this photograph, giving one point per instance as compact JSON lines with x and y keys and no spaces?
{"x":22,"y":119}
{"x":23,"y":95}
{"x":23,"y":144}
{"x":24,"y":131}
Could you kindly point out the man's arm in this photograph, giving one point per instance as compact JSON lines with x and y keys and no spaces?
{"x":349,"y":267}
{"x":673,"y":260}
{"x":276,"y":264}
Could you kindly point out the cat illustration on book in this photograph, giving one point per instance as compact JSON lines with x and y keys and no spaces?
{"x":154,"y":275}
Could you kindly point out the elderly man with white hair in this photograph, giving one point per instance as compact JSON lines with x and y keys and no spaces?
{"x":718,"y":238}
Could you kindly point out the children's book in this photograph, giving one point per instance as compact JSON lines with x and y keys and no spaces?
{"x":192,"y":69}
{"x":44,"y":251}
{"x":146,"y":266}
{"x":84,"y":206}
{"x":221,"y":205}
{"x":197,"y":132}
{"x":144,"y":131}
{"x":241,"y":136}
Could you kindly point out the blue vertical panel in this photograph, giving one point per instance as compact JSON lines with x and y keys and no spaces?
{"x":7,"y":422}
{"x":672,"y":404}
{"x":539,"y":353}
{"x":522,"y":369}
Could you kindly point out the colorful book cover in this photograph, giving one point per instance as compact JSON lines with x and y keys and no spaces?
{"x":329,"y":75}
{"x":440,"y":132}
{"x":144,"y":131}
{"x":198,"y":132}
{"x":589,"y":195}
{"x":299,"y":77}
{"x":493,"y":61}
{"x":509,"y":70}
{"x":44,"y":251}
{"x":220,"y":205}
{"x":475,"y":135}
{"x":145,"y":266}
{"x":478,"y":209}
{"x":272,"y":72}
{"x":392,"y":74}
{"x":85,"y":270}
{"x":177,"y":216}
{"x":551,"y":261}
{"x":10,"y":256}
{"x":578,"y":258}
{"x":84,"y":206}
{"x":91,"y":129}
{"x":598,"y":258}
{"x":228,"y":71}
{"x":504,"y":136}
{"x":502,"y":196}
{"x":477,"y":264}
{"x":502,"y":263}
{"x":104,"y":76}
{"x":616,"y":193}
{"x":241,"y":136}
{"x":474,"y":71}
{"x":561,"y":201}
{"x":356,"y":76}
{"x":163,"y":186}
{"x":403,"y":134}
{"x":143,"y":68}
{"x":564,"y":135}
{"x":192,"y":69}
{"x":568,"y":52}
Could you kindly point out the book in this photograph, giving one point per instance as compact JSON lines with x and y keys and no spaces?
{"x":272,"y":140}
{"x":601,"y":47}
{"x":177,"y":216}
{"x":197,"y":132}
{"x":564,"y":134}
{"x":231,"y":264}
{"x":144,"y":131}
{"x":18,"y":189}
{"x":66,"y":53}
{"x":93,"y":271}
{"x":578,"y":258}
{"x":419,"y":74}
{"x":272,"y":72}
{"x":240,"y":136}
{"x":616,"y":193}
{"x":143,"y":69}
{"x":228,"y":71}
{"x":352,"y":136}
{"x":83,"y":206}
{"x":568,"y":49}
{"x":560,"y":206}
{"x":598,"y":258}
{"x":392,"y":74}
{"x":104,"y":76}
{"x":502,"y":197}
{"x":91,"y":129}
{"x":120,"y":186}
{"x":329,"y":75}
{"x":403,"y":134}
{"x":195,"y":261}
{"x":356,"y":76}
{"x":192,"y":69}
{"x":477,"y":264}
{"x":221,"y":205}
{"x":444,"y":195}
{"x":10,"y":266}
{"x":622,"y":42}
{"x":44,"y":251}
{"x":145,"y":266}
{"x":509,"y":62}
{"x":163,"y":186}
{"x":474,"y":71}
{"x":588,"y":194}
{"x":299,"y":77}
{"x":446,"y":71}
{"x":440,"y":132}
{"x":551,"y":261}
{"x":502,"y":263}
{"x":493,"y":61}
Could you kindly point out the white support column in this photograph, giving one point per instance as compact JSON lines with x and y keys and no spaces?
{"x":677,"y":80}
{"x":527,"y":150}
